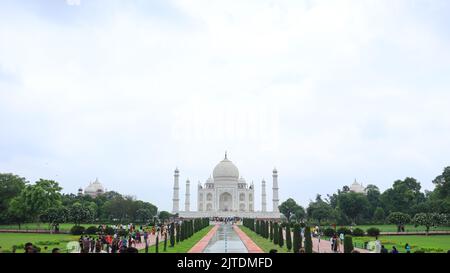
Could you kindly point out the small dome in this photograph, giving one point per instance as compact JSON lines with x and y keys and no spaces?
{"x":242,"y":180}
{"x":94,"y":187}
{"x":226,"y":170}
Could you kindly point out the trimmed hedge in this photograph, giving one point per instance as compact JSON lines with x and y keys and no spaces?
{"x":373,"y":232}
{"x":92,"y":230}
{"x":348,"y":244}
{"x":357,"y":232}
{"x":77,"y":230}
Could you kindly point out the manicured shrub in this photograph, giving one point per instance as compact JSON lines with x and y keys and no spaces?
{"x":296,"y":244}
{"x":373,"y":232}
{"x":92,"y":230}
{"x":357,"y":232}
{"x":172,"y":234}
{"x":329,"y":232}
{"x":288,"y":238}
{"x":348,"y":244}
{"x":275,"y":233}
{"x":344,"y":230}
{"x":280,"y":236}
{"x":308,"y":240}
{"x":157,"y":243}
{"x":77,"y":230}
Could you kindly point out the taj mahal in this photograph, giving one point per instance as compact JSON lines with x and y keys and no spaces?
{"x":226,"y":194}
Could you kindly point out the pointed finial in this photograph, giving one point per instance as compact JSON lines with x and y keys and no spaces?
{"x":226,"y":155}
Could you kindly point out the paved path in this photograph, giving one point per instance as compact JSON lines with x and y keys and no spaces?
{"x":249,"y":244}
{"x":200,"y":246}
{"x":325,"y":247}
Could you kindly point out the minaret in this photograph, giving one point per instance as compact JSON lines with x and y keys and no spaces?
{"x":187,"y":202}
{"x":176,"y":189}
{"x":275,"y":190}
{"x":263,"y":196}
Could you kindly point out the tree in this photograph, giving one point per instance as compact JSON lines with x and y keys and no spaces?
{"x":172,"y":234}
{"x":164,"y":215}
{"x":398,"y":218}
{"x":288,"y":238}
{"x":289,"y":208}
{"x":403,"y":196}
{"x":378,"y":215}
{"x":17,"y":212}
{"x":319,"y":210}
{"x":144,"y":215}
{"x":79,"y":214}
{"x":38,"y":198}
{"x":280,"y":236}
{"x":275,"y":233}
{"x":442,"y":183}
{"x":429,"y":220}
{"x":348,"y":244}
{"x":353,"y":204}
{"x":297,"y":244}
{"x":308,"y":241}
{"x":55,"y":216}
{"x":10,"y":187}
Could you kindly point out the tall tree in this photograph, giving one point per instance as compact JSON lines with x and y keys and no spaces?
{"x":290,"y":208}
{"x":38,"y":198}
{"x":399,"y":219}
{"x":320,"y":210}
{"x":429,"y":220}
{"x":403,"y":196}
{"x":353,"y":205}
{"x":10,"y":187}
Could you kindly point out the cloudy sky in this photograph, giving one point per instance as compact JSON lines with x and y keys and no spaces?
{"x":325,"y":90}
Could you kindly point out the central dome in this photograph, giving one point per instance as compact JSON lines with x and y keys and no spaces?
{"x":226,"y":170}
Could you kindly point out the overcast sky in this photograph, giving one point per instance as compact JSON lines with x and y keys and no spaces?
{"x":326,"y":91}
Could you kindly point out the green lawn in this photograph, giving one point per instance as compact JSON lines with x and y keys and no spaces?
{"x":393,"y":228}
{"x":432,"y":243}
{"x":181,"y":247}
{"x":8,"y":240}
{"x":263,"y":243}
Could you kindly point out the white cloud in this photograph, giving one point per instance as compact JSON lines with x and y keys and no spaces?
{"x":325,"y":90}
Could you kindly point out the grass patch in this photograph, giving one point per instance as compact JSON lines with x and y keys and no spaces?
{"x":263,"y":243}
{"x":393,"y":228}
{"x":8,"y":240}
{"x":429,"y":244}
{"x":181,"y":247}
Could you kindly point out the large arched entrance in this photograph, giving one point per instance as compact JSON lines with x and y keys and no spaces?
{"x":225,"y":202}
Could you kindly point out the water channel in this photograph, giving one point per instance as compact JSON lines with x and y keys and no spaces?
{"x":225,"y":240}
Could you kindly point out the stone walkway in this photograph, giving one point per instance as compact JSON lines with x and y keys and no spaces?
{"x":200,"y":246}
{"x":249,"y":244}
{"x":325,"y":247}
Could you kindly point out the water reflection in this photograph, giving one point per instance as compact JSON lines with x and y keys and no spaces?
{"x":225,"y":240}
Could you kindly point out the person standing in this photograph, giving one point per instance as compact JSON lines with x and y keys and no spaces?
{"x":407,"y":248}
{"x":394,"y":250}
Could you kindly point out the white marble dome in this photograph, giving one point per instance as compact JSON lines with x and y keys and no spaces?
{"x":226,"y":170}
{"x":95,"y":188}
